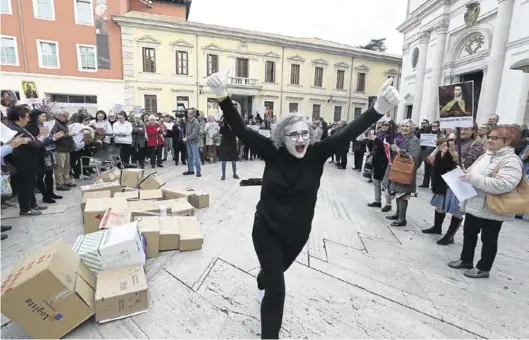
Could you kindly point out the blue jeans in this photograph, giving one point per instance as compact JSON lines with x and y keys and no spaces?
{"x":193,"y":156}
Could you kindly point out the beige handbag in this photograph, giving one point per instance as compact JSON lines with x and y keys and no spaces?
{"x":402,"y":170}
{"x":510,"y":203}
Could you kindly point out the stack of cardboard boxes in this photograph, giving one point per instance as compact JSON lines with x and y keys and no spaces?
{"x":127,"y":217}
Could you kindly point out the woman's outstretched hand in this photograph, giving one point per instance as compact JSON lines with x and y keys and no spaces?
{"x":218,"y":83}
{"x":387,"y":98}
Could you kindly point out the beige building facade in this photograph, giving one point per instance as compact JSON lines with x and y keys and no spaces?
{"x":166,"y":61}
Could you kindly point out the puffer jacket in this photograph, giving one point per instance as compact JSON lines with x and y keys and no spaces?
{"x":508,"y":177}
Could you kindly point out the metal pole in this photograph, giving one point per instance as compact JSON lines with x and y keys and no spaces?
{"x":458,"y":140}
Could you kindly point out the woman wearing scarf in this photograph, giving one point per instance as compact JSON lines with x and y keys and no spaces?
{"x":384,"y":136}
{"x":138,"y":140}
{"x":407,"y":145}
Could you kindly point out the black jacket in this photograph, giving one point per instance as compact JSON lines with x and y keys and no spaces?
{"x":442,"y":165}
{"x":26,"y":158}
{"x":66,"y":143}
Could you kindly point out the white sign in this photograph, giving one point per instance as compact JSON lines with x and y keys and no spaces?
{"x":169,"y":126}
{"x":265,"y":133}
{"x":50,"y":124}
{"x":117,"y":108}
{"x":462,"y":190}
{"x":429,"y":139}
{"x":7,"y":134}
{"x":453,"y":122}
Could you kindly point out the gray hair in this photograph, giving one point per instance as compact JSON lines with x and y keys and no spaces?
{"x":279,"y":132}
{"x":407,"y":121}
{"x":61,"y":112}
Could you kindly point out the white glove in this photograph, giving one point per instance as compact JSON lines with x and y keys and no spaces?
{"x":387,"y":98}
{"x":217,"y":82}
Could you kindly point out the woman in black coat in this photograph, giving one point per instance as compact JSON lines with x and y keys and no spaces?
{"x":228,"y":148}
{"x":179,"y":146}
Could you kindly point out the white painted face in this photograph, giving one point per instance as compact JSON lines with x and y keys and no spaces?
{"x":297,"y":139}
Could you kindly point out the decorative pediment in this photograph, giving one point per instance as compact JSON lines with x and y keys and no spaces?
{"x":181,"y":43}
{"x":272,"y":54}
{"x":297,"y":58}
{"x":362,"y":68}
{"x":147,"y":39}
{"x":341,"y":64}
{"x":391,"y":72}
{"x":408,"y":98}
{"x":320,"y":61}
{"x":213,"y":47}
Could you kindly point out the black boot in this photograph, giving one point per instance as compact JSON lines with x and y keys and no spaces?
{"x":438,"y":224}
{"x":455,"y":223}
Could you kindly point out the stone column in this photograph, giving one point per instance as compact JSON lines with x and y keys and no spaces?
{"x":481,"y":108}
{"x":424,"y":38}
{"x":402,"y":107}
{"x":496,"y":60}
{"x":432,"y":106}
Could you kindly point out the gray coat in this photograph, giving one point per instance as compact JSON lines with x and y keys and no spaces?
{"x":411,"y":148}
{"x":192,"y":131}
{"x":138,"y":135}
{"x":507,"y":178}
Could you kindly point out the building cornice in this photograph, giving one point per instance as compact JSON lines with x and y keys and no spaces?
{"x":152,"y":22}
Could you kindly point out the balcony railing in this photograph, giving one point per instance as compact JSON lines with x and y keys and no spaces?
{"x":243,"y":81}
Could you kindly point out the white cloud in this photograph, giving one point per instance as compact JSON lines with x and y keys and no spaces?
{"x":352,"y":22}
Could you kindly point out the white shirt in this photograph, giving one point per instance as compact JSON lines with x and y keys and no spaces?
{"x":121,"y":129}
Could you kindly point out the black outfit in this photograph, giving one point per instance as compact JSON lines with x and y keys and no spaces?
{"x":179,"y":146}
{"x":228,"y":143}
{"x":380,"y":160}
{"x":490,"y":229}
{"x":359,"y":149}
{"x":442,"y":166}
{"x":44,"y":173}
{"x":288,"y":197}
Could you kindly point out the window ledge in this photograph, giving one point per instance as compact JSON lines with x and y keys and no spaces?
{"x":270,"y":82}
{"x":341,"y":90}
{"x":362,"y":92}
{"x":150,"y":73}
{"x":47,"y":19}
{"x":9,"y":64}
{"x":87,"y":71}
{"x":295,"y":85}
{"x":318,"y":87}
{"x":50,"y":67}
{"x":84,"y":24}
{"x":182,"y":75}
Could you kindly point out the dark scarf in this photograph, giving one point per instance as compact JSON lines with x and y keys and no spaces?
{"x":400,"y":140}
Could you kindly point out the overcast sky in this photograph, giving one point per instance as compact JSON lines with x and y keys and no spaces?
{"x":351,"y":22}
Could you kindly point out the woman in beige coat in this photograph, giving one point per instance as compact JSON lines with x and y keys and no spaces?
{"x":500,"y":160}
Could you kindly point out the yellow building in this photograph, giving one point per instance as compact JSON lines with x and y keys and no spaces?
{"x":166,"y":61}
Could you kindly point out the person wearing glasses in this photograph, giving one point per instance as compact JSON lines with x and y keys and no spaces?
{"x":293,"y":168}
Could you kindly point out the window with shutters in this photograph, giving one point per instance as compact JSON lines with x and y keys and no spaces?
{"x":270,"y":72}
{"x":337,"y":113}
{"x":182,"y":63}
{"x":318,"y":76}
{"x":242,"y":68}
{"x":151,"y":103}
{"x":293,"y":107}
{"x":294,"y":74}
{"x":361,"y":82}
{"x":213,"y":64}
{"x":316,"y":111}
{"x":149,"y":59}
{"x":340,"y":79}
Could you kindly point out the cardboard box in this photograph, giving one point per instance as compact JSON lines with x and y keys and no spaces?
{"x":113,"y":187}
{"x":178,"y":207}
{"x":197,"y":199}
{"x":125,"y":189}
{"x":50,"y":292}
{"x":112,"y":248}
{"x":94,"y":194}
{"x":149,"y":227}
{"x":190,"y":235}
{"x":114,"y":218}
{"x":130,"y":195}
{"x":111,"y":175}
{"x":153,"y":194}
{"x":121,"y":293}
{"x":151,"y":181}
{"x":131,"y":177}
{"x":169,"y":233}
{"x":95,"y":209}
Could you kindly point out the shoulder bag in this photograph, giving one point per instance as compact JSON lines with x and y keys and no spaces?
{"x":510,"y":203}
{"x":402,"y":170}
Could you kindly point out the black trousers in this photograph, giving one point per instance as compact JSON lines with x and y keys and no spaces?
{"x":45,"y":183}
{"x":275,"y":257}
{"x":155,"y":154}
{"x":490,"y":229}
{"x":341,"y":159}
{"x":181,"y":149}
{"x":138,"y":155}
{"x":124,"y":153}
{"x":359,"y":158}
{"x":427,"y":174}
{"x":75,"y":165}
{"x":25,"y":182}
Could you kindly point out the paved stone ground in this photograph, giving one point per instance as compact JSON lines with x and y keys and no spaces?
{"x":357,"y":277}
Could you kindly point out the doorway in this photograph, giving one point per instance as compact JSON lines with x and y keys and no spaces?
{"x":409,"y":110}
{"x":477,"y":78}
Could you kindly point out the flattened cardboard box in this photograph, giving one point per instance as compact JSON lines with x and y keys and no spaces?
{"x":50,"y":292}
{"x":94,"y":194}
{"x":197,"y":199}
{"x":111,"y":175}
{"x":112,"y":248}
{"x":153,"y":194}
{"x":131,"y":177}
{"x":114,"y":218}
{"x":130,"y":195}
{"x":149,"y":227}
{"x":120,"y":293}
{"x":151,"y":181}
{"x":95,"y":209}
{"x":113,"y":187}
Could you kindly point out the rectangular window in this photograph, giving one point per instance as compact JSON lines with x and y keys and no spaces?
{"x":318,"y":76}
{"x":151,"y":104}
{"x":294,"y":74}
{"x":181,"y":63}
{"x":213,"y":64}
{"x":48,"y":54}
{"x":293,"y":107}
{"x":340,"y":79}
{"x":9,"y":51}
{"x":149,"y":59}
{"x":242,"y":68}
{"x":358,"y":112}
{"x":72,"y":98}
{"x":270,"y":72}
{"x":84,"y":12}
{"x":44,"y":9}
{"x":361,"y":82}
{"x":316,"y":111}
{"x":337,"y":113}
{"x":213,"y":105}
{"x":87,"y":58}
{"x":5,"y":7}
{"x":183,"y":100}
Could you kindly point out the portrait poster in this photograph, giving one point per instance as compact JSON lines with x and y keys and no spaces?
{"x":456,"y":104}
{"x":101,"y":20}
{"x":213,"y":106}
{"x":30,"y":90}
{"x":8,"y":98}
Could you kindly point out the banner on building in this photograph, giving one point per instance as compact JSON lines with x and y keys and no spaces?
{"x":103,"y":48}
{"x":456,"y":104}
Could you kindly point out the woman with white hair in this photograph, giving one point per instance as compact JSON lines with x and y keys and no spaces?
{"x":293,"y":168}
{"x":211,"y":129}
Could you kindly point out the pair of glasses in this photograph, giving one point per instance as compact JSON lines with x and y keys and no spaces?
{"x":385,"y":124}
{"x":495,"y":138}
{"x":295,"y":135}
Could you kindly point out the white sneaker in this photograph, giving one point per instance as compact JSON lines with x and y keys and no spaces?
{"x":260,"y":295}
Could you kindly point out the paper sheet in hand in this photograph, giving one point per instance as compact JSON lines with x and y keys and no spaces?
{"x":169,"y":126}
{"x":7,"y":134}
{"x":429,"y":139}
{"x":462,"y":190}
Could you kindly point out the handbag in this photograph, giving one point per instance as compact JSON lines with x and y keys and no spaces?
{"x":402,"y":170}
{"x":510,"y":203}
{"x":6,"y":185}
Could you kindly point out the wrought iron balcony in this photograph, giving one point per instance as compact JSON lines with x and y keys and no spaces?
{"x":243,"y":81}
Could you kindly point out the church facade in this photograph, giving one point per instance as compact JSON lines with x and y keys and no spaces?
{"x":453,"y":41}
